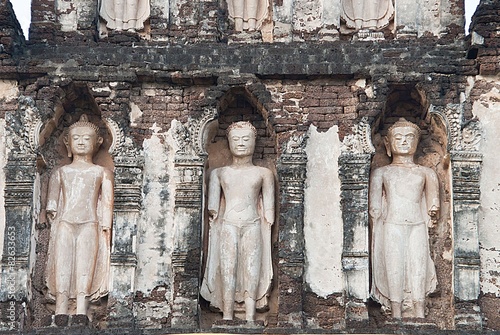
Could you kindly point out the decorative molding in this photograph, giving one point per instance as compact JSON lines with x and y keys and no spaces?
{"x":451,"y":116}
{"x":471,"y":136}
{"x":189,"y":137}
{"x":188,"y":191}
{"x":359,"y":142}
{"x":25,"y":138}
{"x":121,"y":146}
{"x":294,"y":151}
{"x":292,"y":168}
{"x":183,"y":138}
{"x":296,"y":145}
{"x":197,"y":129}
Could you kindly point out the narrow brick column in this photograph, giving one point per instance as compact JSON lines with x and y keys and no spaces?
{"x":290,"y":276}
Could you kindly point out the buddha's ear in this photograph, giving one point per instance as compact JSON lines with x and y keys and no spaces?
{"x":66,"y":143}
{"x":387,"y":146}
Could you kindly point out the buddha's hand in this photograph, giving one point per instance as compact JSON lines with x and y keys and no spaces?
{"x":212,"y":215}
{"x":51,"y":215}
{"x":433,"y":213}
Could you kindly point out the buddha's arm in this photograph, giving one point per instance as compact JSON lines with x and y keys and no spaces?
{"x":268,"y":196}
{"x":214,"y":189}
{"x":375,"y":195}
{"x":53,"y":194}
{"x":107,"y":199}
{"x":432,"y":194}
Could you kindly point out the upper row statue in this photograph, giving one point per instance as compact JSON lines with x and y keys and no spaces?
{"x":124,"y":14}
{"x":247,"y":14}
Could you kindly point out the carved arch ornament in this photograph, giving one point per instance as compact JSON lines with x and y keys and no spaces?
{"x":27,"y":140}
{"x":29,"y":137}
{"x":461,"y":136}
{"x":121,"y":145}
{"x":190,"y":137}
{"x":360,"y":141}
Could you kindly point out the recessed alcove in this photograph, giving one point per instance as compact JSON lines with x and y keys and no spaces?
{"x":409,"y":101}
{"x":71,"y":102}
{"x":235,"y":105}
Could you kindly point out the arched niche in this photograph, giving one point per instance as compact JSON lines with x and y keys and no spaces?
{"x":409,"y":101}
{"x":71,"y":102}
{"x":238,"y":104}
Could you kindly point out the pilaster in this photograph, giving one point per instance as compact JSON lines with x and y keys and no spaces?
{"x":291,"y":174}
{"x":354,"y":173}
{"x":20,"y":211}
{"x":189,"y":165}
{"x":128,"y":163}
{"x":466,"y":173}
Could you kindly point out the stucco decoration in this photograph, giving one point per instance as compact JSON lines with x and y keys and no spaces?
{"x":367,"y":14}
{"x":124,"y":14}
{"x":359,"y":142}
{"x":404,"y":202}
{"x":241,"y":213}
{"x":471,"y":136}
{"x":248,"y":14}
{"x":80,"y":209}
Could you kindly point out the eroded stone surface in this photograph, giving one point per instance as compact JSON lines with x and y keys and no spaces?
{"x":323,"y":229}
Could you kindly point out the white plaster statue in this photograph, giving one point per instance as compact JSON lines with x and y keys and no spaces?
{"x":80,"y":209}
{"x":241,"y":213}
{"x":124,"y":14}
{"x":404,"y":201}
{"x":247,"y":14}
{"x":367,"y":14}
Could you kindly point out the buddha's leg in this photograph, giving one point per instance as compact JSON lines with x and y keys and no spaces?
{"x":251,"y":254}
{"x":130,"y":15}
{"x":239,"y":8}
{"x":395,"y":255}
{"x":228,"y":265}
{"x":64,"y":248}
{"x":87,"y":245}
{"x":251,"y":8}
{"x":418,"y":256}
{"x":119,"y":13}
{"x":358,"y":7}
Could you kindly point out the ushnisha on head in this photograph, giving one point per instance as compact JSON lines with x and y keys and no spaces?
{"x":87,"y":135}
{"x":402,"y":122}
{"x":241,"y":125}
{"x":402,"y":138}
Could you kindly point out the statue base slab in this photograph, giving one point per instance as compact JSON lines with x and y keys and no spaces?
{"x":238,"y":324}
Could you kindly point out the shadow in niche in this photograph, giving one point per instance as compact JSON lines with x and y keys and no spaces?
{"x":410,"y":102}
{"x":76,"y":101}
{"x":239,"y":105}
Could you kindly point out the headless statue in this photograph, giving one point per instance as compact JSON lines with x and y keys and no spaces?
{"x":79,"y":247}
{"x":404,"y":201}
{"x":247,"y":14}
{"x":241,"y":212}
{"x":367,"y":14}
{"x":127,"y":15}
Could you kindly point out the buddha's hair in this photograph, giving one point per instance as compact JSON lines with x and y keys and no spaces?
{"x":84,"y":122}
{"x":402,"y":122}
{"x":241,"y":125}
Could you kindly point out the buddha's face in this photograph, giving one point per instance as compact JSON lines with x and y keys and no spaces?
{"x":241,"y":142}
{"x":83,"y":140}
{"x":403,"y":141}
